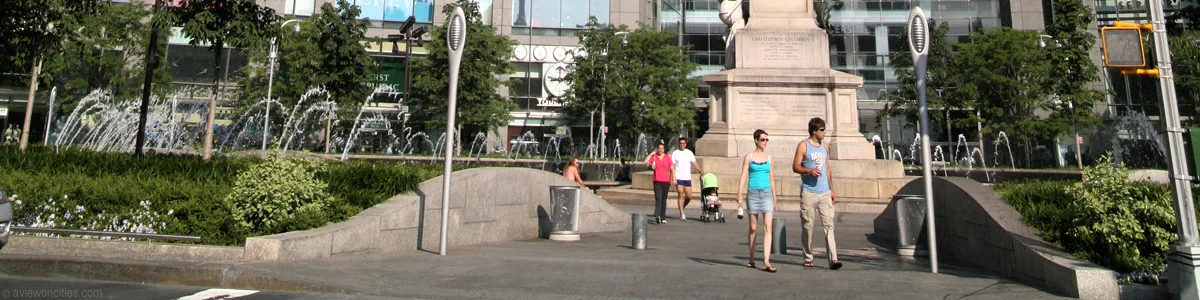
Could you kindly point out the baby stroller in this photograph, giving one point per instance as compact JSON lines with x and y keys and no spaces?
{"x":711,"y":210}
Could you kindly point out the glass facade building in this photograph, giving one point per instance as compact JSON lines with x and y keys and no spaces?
{"x":865,"y":34}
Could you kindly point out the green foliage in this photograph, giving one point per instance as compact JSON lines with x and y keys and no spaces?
{"x":30,"y":28}
{"x":326,"y":53}
{"x":276,"y":190}
{"x":485,"y":56}
{"x":364,"y":184}
{"x":1105,"y":220}
{"x":184,"y":195}
{"x":1072,"y":68}
{"x":1132,"y":224}
{"x":105,"y":50}
{"x":642,"y":81}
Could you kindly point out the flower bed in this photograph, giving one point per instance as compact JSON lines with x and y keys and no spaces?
{"x":179,"y":195}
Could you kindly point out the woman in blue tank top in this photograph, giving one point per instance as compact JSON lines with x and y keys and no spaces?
{"x":757,"y":178}
{"x":812,"y":163}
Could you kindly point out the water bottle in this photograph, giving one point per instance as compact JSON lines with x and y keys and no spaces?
{"x":741,"y":213}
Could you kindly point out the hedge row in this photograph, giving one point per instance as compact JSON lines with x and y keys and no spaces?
{"x":174,"y":194}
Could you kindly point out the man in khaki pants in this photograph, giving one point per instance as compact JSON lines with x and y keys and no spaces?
{"x":817,"y":195}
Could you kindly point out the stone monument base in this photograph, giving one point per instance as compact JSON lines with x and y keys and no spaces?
{"x":781,"y":102}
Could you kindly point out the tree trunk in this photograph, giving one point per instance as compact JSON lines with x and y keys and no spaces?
{"x":37,"y":65}
{"x":212,"y":103}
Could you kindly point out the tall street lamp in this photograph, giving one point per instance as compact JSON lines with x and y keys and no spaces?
{"x":456,"y":36}
{"x":271,"y":79}
{"x":918,"y":42}
{"x":604,"y":88}
{"x":1070,"y":106}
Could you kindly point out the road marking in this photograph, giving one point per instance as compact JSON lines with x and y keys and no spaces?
{"x":211,"y":294}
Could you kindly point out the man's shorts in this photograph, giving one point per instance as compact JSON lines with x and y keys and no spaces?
{"x":687,"y":183}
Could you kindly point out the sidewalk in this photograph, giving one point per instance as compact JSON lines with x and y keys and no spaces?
{"x":688,"y":259}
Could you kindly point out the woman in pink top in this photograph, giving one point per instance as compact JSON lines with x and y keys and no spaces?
{"x":661,"y":163}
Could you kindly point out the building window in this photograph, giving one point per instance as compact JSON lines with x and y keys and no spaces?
{"x":299,"y":7}
{"x":558,"y":14}
{"x":379,"y":11}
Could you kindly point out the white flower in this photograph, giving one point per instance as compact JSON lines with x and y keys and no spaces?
{"x":18,"y":202}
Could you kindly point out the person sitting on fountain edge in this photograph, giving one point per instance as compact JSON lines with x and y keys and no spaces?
{"x":624,"y":171}
{"x":571,"y":171}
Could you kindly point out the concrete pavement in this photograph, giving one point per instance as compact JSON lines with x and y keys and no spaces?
{"x":685,"y":260}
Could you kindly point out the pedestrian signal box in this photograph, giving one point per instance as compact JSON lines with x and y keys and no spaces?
{"x":1123,"y":47}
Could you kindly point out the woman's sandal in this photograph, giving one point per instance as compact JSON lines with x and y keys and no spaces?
{"x":751,"y":265}
{"x":808,"y":264}
{"x":770,"y":269}
{"x":835,"y":265}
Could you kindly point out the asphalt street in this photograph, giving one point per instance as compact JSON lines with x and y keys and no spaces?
{"x":53,"y":288}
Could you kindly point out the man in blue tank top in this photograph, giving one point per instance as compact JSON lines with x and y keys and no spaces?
{"x":811,"y":162}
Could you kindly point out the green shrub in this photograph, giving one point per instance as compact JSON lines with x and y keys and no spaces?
{"x":1122,"y":225}
{"x":275,"y":192}
{"x":365,"y":184}
{"x":1105,"y":219}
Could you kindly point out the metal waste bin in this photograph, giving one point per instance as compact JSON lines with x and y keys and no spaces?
{"x":564,"y":220}
{"x":910,"y":219}
{"x":6,"y":219}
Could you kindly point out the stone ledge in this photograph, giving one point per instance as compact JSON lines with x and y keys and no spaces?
{"x":477,"y":215}
{"x":977,"y":229}
{"x":19,"y":244}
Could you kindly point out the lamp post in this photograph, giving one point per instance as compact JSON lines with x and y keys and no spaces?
{"x":918,"y":42}
{"x":1070,"y":106}
{"x":604,"y":95}
{"x":271,"y":79}
{"x":456,"y":35}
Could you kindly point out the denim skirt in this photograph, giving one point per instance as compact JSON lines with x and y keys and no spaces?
{"x":760,"y":201}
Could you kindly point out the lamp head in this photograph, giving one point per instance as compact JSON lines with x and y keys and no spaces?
{"x":408,"y":24}
{"x":457,"y":31}
{"x":918,"y":32}
{"x":417,"y":33}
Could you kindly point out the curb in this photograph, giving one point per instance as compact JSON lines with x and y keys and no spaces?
{"x":225,"y":275}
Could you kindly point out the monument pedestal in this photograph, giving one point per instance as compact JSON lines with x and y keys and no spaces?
{"x":781,"y":102}
{"x":781,"y":81}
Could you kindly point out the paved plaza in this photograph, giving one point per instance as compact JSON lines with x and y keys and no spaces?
{"x":688,"y":259}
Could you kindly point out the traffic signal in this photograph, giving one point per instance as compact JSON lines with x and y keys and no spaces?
{"x":1123,"y":48}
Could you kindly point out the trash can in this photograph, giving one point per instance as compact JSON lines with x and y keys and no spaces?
{"x":564,"y":220}
{"x":6,"y":219}
{"x":910,"y":219}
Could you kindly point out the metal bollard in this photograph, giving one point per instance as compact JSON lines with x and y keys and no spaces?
{"x":779,"y":236}
{"x":639,"y":231}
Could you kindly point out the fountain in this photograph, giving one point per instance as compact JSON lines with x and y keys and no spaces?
{"x":1007,"y":145}
{"x":382,"y":89}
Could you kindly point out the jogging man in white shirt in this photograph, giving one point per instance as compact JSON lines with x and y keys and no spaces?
{"x":682,"y":173}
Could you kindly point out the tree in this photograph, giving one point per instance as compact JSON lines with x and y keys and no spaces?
{"x":27,"y":29}
{"x":1072,"y":67}
{"x":327,"y":53}
{"x":103,"y":51}
{"x":486,"y":54}
{"x":1186,"y":60}
{"x":642,"y":81}
{"x":1014,"y":81}
{"x":239,"y":23}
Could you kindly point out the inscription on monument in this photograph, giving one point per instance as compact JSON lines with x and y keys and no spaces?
{"x":782,"y":47}
{"x":790,"y":112}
